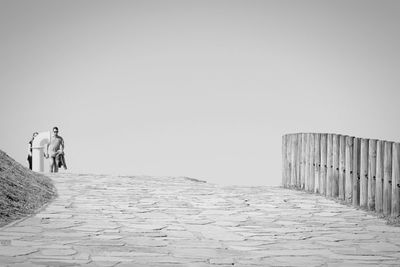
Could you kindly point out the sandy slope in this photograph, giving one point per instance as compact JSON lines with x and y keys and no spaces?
{"x":22,"y":191}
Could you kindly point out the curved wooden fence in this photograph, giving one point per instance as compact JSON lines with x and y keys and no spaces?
{"x":359,"y":171}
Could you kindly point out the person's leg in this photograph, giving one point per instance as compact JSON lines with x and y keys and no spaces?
{"x":30,"y":162}
{"x":52,"y":163}
{"x":56,"y":161}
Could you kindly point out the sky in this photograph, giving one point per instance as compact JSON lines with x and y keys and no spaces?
{"x":203,"y":89}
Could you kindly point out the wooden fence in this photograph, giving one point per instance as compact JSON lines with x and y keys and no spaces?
{"x":359,"y":171}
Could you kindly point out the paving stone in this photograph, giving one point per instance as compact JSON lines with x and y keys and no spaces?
{"x":55,"y":215}
{"x":23,"y":243}
{"x":16,"y":251}
{"x":12,"y":260}
{"x":66,"y":234}
{"x":179,"y":234}
{"x":145,"y":241}
{"x":222,"y":261}
{"x":143,"y":226}
{"x":102,"y":264}
{"x":147,"y":264}
{"x":26,"y":264}
{"x":195,"y":243}
{"x":24,"y":229}
{"x":198,"y":253}
{"x":380,"y":246}
{"x":57,"y":252}
{"x":14,"y":235}
{"x":214,"y":232}
{"x":107,"y":237}
{"x":305,"y":261}
{"x":88,"y":229}
{"x":104,"y":243}
{"x":125,"y":258}
{"x":360,"y":257}
{"x":105,"y":220}
{"x":291,"y":252}
{"x":59,"y":262}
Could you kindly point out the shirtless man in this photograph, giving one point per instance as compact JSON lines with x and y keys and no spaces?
{"x":56,"y":146}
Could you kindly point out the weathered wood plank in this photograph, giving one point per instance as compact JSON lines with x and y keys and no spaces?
{"x":396,"y":180}
{"x":293,"y":160}
{"x":307,"y":165}
{"x":309,"y":147}
{"x":335,"y":163}
{"x":342,"y":166}
{"x":387,"y":179}
{"x":356,"y":172}
{"x":283,"y":168}
{"x":303,"y":159}
{"x":329,"y":174}
{"x":323,"y":163}
{"x":298,"y":162}
{"x":364,"y":173}
{"x":317,"y":160}
{"x":312,"y":163}
{"x":379,"y":176}
{"x":371,"y":173}
{"x":349,"y":169}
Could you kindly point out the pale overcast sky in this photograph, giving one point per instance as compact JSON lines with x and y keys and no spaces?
{"x":203,"y":89}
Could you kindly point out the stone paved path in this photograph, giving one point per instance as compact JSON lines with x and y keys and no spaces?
{"x":146,"y":221}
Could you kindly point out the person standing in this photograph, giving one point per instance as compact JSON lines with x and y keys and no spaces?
{"x":56,"y":146}
{"x":30,"y":150}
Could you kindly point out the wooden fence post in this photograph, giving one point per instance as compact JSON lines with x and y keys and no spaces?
{"x":364,"y":173}
{"x":396,"y":180}
{"x":379,"y":176}
{"x":387,"y":179}
{"x":283,"y":160}
{"x":342,"y":166}
{"x":371,"y":174}
{"x":349,"y":169}
{"x":303,"y":160}
{"x":298,"y":180}
{"x":307,"y":165}
{"x":312,"y":163}
{"x":294,"y":156}
{"x":356,"y":172}
{"x":288,"y":159}
{"x":317,"y":159}
{"x":323,"y":164}
{"x":335,"y":163}
{"x":329,"y":174}
{"x":294,"y":177}
{"x":294,"y":170}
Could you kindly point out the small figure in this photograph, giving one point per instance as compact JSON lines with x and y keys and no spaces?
{"x":56,"y":146}
{"x":30,"y":150}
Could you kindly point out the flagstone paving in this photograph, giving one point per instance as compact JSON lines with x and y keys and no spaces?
{"x":103,"y":220}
